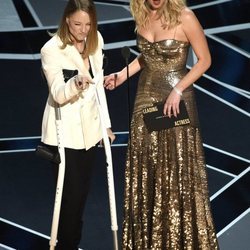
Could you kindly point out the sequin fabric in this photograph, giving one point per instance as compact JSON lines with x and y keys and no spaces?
{"x":166,"y":203}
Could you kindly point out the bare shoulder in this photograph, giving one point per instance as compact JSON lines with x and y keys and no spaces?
{"x":189,"y":21}
{"x":188,"y":16}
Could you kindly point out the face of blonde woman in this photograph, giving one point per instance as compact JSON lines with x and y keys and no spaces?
{"x":79,"y":25}
{"x":155,"y":4}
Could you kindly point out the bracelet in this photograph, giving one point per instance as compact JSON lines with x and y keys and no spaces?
{"x":177,"y":91}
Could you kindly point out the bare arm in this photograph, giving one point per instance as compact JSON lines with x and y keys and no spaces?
{"x":195,"y":35}
{"x":115,"y":79}
{"x":197,"y":39}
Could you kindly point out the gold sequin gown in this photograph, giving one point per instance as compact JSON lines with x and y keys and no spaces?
{"x":166,"y":203}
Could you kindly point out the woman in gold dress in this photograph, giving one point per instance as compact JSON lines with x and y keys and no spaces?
{"x":166,"y":203}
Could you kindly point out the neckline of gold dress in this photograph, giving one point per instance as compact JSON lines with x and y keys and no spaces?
{"x":164,"y":40}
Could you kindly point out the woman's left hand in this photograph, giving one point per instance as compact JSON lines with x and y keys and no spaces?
{"x":111,"y":135}
{"x":171,"y":106}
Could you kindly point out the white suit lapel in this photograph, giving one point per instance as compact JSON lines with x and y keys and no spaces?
{"x":92,"y":64}
{"x":96,"y":62}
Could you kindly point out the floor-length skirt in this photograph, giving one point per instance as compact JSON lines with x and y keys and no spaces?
{"x":166,"y":203}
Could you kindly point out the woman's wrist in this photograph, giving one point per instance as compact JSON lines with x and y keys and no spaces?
{"x":178,"y":91}
{"x":122,"y":75}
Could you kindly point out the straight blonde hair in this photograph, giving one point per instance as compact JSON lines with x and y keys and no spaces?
{"x":170,"y":12}
{"x":63,"y":30}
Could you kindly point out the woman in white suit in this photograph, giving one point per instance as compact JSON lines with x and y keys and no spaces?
{"x":71,"y":61}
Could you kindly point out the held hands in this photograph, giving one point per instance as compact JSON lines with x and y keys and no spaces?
{"x":82,"y":82}
{"x":171,"y":106}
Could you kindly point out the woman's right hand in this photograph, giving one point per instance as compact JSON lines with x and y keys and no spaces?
{"x":82,"y":82}
{"x":113,"y":80}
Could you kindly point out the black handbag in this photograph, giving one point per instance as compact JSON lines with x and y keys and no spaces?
{"x":155,"y":120}
{"x":45,"y":152}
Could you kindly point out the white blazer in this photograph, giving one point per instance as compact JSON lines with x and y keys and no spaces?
{"x":79,"y":113}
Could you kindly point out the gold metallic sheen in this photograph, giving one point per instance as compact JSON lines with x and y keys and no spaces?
{"x":166,"y":204}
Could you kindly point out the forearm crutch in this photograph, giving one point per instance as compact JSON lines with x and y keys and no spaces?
{"x":110,"y":175}
{"x":60,"y":179}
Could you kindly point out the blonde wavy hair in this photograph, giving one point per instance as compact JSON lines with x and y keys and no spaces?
{"x":170,"y":11}
{"x":63,"y":29}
